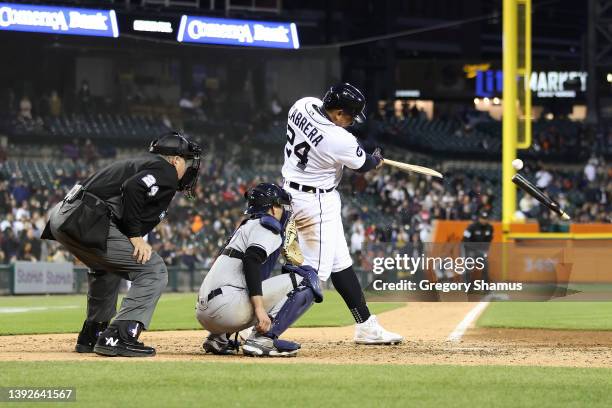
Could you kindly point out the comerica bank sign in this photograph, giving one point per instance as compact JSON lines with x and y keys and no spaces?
{"x":247,"y":33}
{"x":544,"y":84}
{"x":58,"y":20}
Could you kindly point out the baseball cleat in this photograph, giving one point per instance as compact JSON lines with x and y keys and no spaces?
{"x":89,"y":335}
{"x":371,"y":332}
{"x":261,"y":346}
{"x":219,"y":344}
{"x":110,"y":344}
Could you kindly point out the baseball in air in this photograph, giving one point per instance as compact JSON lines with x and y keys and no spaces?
{"x":517,"y":164}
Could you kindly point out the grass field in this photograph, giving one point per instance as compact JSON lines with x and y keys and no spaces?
{"x":548,"y":315}
{"x":113,"y":384}
{"x":155,"y":383}
{"x":175,"y":311}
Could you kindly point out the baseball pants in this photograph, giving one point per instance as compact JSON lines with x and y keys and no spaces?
{"x":108,"y":268}
{"x":231,"y":311}
{"x":318,"y":219}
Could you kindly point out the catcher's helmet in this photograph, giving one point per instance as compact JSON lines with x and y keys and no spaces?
{"x":175,"y":144}
{"x":348,"y":98}
{"x":261,"y":198}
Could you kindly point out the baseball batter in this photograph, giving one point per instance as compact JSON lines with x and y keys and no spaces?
{"x":317,"y":150}
{"x":238,"y":292}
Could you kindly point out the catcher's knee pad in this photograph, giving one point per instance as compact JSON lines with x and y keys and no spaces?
{"x":310,"y":279}
{"x":297,"y":303}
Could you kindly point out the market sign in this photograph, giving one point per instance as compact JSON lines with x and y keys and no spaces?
{"x":58,"y":20}
{"x":244,"y":33}
{"x":544,"y":84}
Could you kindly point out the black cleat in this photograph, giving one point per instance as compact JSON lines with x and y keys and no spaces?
{"x":112,"y":344}
{"x":89,"y":335}
{"x":220,"y":344}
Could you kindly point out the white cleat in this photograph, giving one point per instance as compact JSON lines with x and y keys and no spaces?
{"x":371,"y":332}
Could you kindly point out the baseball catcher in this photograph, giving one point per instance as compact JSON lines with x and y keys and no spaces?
{"x":239,"y":293}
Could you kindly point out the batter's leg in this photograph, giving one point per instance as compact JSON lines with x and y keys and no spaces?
{"x":347,"y":285}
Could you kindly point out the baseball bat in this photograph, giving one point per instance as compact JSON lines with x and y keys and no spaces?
{"x":412,"y":168}
{"x":539,"y":195}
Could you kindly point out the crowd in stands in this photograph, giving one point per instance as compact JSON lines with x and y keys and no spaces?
{"x":379,"y":207}
{"x":473,"y":131}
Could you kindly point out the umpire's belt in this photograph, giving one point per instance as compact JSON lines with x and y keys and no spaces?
{"x":233,"y":253}
{"x":309,"y":189}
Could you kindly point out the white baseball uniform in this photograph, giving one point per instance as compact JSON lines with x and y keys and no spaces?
{"x":315,"y":155}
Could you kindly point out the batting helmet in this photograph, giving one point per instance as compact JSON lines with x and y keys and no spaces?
{"x":348,"y":98}
{"x":175,"y":144}
{"x":261,"y":198}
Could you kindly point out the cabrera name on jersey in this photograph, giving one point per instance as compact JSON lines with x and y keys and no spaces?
{"x":317,"y":150}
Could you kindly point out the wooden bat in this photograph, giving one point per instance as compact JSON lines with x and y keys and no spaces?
{"x":412,"y":168}
{"x":539,"y":195}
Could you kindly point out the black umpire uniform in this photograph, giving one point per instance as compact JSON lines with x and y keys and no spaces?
{"x":102,"y":222}
{"x":477,"y":239}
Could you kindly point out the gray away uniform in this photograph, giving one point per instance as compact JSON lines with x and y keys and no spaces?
{"x":231,"y":310}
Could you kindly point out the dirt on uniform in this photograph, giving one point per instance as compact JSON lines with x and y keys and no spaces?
{"x":426,"y":327}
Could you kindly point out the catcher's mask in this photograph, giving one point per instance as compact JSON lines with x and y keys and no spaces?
{"x":175,"y":144}
{"x":266,"y":195}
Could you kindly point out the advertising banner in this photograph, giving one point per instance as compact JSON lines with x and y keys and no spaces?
{"x":244,"y":33}
{"x":43,"y":277}
{"x":58,"y":20}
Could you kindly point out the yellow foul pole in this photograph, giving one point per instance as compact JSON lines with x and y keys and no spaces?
{"x":510,"y":119}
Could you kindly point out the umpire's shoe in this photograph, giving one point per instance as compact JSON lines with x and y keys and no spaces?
{"x":89,"y":335}
{"x":221,"y":344}
{"x":262,"y":346}
{"x":121,"y":339}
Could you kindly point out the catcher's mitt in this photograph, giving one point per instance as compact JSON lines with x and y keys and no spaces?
{"x":291,"y":247}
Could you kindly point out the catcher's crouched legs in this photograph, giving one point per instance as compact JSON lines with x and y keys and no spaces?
{"x":302,"y":284}
{"x":367,"y":329}
{"x":226,"y":313}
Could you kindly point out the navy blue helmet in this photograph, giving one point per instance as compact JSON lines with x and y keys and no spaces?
{"x":261,"y":198}
{"x":348,"y":98}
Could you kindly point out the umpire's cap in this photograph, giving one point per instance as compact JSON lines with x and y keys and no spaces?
{"x":348,"y":98}
{"x":175,"y":144}
{"x":261,"y":198}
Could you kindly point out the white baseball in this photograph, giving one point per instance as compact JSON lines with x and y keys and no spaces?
{"x":517,"y":164}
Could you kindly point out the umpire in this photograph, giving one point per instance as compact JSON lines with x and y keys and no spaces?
{"x":102,"y":222}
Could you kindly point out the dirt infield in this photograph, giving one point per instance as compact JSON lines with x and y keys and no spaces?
{"x":426,"y":327}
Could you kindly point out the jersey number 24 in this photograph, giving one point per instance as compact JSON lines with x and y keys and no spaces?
{"x":300,"y":150}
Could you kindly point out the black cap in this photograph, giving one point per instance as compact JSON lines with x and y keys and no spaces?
{"x":483,"y":214}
